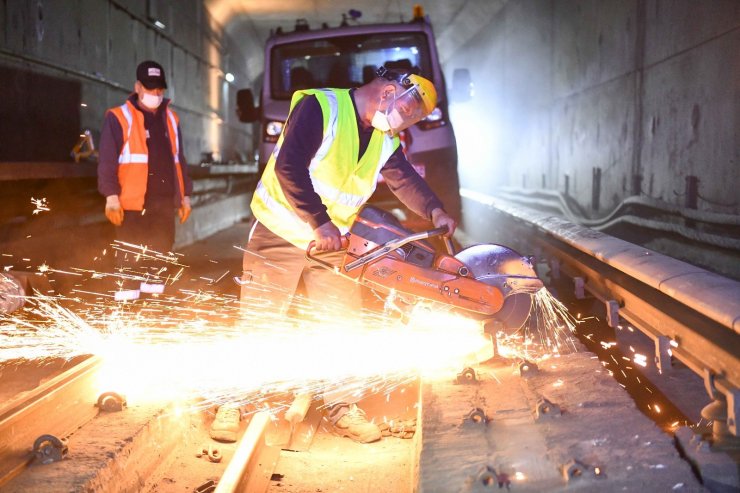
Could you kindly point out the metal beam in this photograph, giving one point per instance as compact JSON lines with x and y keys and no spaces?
{"x":58,"y":407}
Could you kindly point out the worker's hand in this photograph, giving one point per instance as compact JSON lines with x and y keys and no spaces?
{"x":113,"y":210}
{"x":441,"y":218}
{"x":328,"y":238}
{"x":184,"y":210}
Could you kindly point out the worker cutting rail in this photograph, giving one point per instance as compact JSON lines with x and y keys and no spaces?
{"x":325,"y":167}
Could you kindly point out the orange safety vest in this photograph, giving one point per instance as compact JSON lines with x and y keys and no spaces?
{"x":133,"y":162}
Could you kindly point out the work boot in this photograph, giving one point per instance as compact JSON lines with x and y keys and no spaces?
{"x":354,"y":424}
{"x":225,"y":425}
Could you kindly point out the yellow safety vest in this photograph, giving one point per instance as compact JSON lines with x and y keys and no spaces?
{"x":343,"y":183}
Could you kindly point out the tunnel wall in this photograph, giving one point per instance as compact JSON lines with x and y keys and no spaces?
{"x":62,"y":64}
{"x":79,"y":57}
{"x":644,"y":93}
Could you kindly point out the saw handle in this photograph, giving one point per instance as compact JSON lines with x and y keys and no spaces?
{"x":447,"y":241}
{"x":449,"y":246}
{"x":324,"y":263}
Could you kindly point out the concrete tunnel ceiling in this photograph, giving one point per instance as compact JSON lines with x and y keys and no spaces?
{"x":455,"y":21}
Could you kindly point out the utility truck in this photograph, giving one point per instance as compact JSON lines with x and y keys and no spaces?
{"x":348,"y":56}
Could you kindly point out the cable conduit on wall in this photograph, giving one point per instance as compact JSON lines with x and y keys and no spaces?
{"x":711,"y":294}
{"x":555,"y":200}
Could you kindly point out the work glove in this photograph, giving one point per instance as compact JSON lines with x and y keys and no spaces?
{"x":113,"y":210}
{"x":441,"y":218}
{"x":328,"y":238}
{"x":184,"y":210}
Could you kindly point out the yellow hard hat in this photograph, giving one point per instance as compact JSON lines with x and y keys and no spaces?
{"x":426,"y":90}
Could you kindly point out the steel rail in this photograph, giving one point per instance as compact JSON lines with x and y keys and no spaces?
{"x":690,"y":313}
{"x":253,"y":463}
{"x":57,"y":407}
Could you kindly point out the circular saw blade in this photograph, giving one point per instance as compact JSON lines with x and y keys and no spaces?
{"x":513,"y":274}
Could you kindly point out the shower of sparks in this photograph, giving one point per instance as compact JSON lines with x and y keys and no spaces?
{"x":142,"y":252}
{"x":205,"y":348}
{"x":547,"y":333}
{"x":198,"y":346}
{"x":40,"y":205}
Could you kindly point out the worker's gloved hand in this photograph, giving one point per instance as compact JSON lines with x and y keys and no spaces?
{"x":113,"y":210}
{"x":328,"y":238}
{"x":184,"y":210}
{"x":441,"y":218}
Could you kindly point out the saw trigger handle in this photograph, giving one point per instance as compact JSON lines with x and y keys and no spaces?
{"x":447,"y":241}
{"x":323,"y":263}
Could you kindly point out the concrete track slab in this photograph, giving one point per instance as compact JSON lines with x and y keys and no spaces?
{"x":599,"y":427}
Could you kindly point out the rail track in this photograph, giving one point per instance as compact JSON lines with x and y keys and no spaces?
{"x":53,"y":410}
{"x":691,"y":315}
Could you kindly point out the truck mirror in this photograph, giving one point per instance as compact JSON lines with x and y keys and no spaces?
{"x":245,"y":109}
{"x":462,"y":86}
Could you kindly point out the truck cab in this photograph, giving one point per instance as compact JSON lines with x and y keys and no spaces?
{"x":348,"y":56}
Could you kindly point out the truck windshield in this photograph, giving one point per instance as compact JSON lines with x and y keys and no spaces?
{"x":345,"y":61}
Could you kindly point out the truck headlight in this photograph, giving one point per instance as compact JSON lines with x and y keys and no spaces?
{"x":435,"y":119}
{"x":273,"y":130}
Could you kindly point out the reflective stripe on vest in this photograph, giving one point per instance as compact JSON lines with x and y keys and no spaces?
{"x":133,"y":161}
{"x":126,"y":155}
{"x":343,"y":183}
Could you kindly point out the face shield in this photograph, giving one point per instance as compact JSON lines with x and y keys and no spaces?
{"x":405,"y":110}
{"x":417,"y":99}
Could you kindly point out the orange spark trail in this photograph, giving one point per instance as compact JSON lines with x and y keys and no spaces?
{"x":156,"y":355}
{"x":547,"y":333}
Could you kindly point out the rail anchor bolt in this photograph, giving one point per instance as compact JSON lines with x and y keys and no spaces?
{"x":111,"y":402}
{"x":48,"y":449}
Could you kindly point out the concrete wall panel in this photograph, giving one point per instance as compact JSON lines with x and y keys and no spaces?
{"x":594,"y":130}
{"x":525,"y":164}
{"x":21,"y":27}
{"x":94,"y":37}
{"x":121,"y":50}
{"x":690,"y":122}
{"x":636,"y":88}
{"x":481,"y":125}
{"x":593,"y":42}
{"x":57,"y":30}
{"x":677,"y":25}
{"x":527,"y":86}
{"x":527,"y":35}
{"x":81,"y":40}
{"x":3,"y":22}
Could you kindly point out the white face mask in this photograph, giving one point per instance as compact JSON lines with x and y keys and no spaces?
{"x":390,"y":122}
{"x":395,"y":120}
{"x":151,"y":100}
{"x":380,"y":118}
{"x":380,"y":121}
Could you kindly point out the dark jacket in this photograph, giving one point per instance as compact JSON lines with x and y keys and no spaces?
{"x":162,"y":183}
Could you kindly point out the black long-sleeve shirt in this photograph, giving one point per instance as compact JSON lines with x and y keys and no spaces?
{"x":303,"y":136}
{"x":161,"y":181}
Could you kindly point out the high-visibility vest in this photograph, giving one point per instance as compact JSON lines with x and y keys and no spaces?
{"x":343,"y":183}
{"x":133,"y":162}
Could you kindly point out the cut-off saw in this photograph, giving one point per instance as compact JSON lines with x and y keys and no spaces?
{"x":485,"y":281}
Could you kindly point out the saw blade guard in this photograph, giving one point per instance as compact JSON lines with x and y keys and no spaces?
{"x":507,"y":270}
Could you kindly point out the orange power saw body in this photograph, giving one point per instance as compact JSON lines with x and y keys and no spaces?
{"x":381,"y":254}
{"x":446,"y":280}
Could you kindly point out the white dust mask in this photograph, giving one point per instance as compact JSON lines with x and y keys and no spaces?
{"x":380,"y":121}
{"x":380,"y":118}
{"x":152,"y":100}
{"x":395,"y":120}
